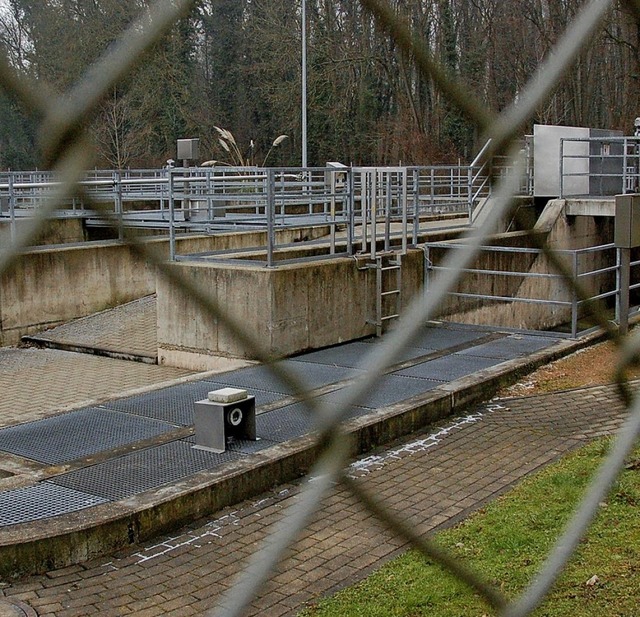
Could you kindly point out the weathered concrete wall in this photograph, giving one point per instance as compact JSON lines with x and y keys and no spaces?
{"x":287,"y":309}
{"x":50,"y":285}
{"x":56,"y":231}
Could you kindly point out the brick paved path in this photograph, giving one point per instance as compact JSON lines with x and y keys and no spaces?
{"x":129,"y":328}
{"x":37,"y":382}
{"x":433,"y":479}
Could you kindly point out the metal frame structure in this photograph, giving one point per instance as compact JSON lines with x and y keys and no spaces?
{"x":582,"y":276}
{"x":599,"y":166}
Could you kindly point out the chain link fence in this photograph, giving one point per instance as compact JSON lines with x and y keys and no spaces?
{"x":67,"y":152}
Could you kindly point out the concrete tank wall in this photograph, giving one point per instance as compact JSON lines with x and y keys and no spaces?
{"x":287,"y":309}
{"x":55,"y":231}
{"x":47,"y":286}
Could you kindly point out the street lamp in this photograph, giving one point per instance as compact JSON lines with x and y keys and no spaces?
{"x":304,"y":83}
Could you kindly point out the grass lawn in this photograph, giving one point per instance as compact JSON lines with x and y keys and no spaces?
{"x":508,"y":541}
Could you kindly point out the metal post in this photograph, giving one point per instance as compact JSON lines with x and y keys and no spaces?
{"x":172,"y":230}
{"x":625,"y":183}
{"x":470,"y":194}
{"x":117,"y":179}
{"x":403,"y":196}
{"x":365,"y":180}
{"x":332,"y":211}
{"x":623,"y":288}
{"x":271,"y":211}
{"x":12,"y":208}
{"x":210,"y":209}
{"x":574,"y":299}
{"x":351,"y":216}
{"x":561,"y":162}
{"x":387,"y":214}
{"x":304,"y":84}
{"x":432,"y":181}
{"x":416,"y":205}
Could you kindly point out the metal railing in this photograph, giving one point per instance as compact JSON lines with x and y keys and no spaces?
{"x":387,"y":206}
{"x":204,"y":199}
{"x":599,"y":166}
{"x":595,"y":270}
{"x":65,"y":151}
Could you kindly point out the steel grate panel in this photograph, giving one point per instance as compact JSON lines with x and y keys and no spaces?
{"x":141,"y":471}
{"x":285,"y":423}
{"x":510,"y":347}
{"x":77,"y":434}
{"x":33,"y":503}
{"x":261,"y":377}
{"x":449,"y":368}
{"x":254,"y":378}
{"x":392,"y":389}
{"x":443,"y":338}
{"x":352,"y":355}
{"x":292,"y":421}
{"x":173,"y":404}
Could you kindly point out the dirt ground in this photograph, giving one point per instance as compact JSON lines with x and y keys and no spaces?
{"x":592,"y":366}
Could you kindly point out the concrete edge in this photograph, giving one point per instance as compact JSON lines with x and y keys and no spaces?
{"x":32,"y":548}
{"x":89,"y":349}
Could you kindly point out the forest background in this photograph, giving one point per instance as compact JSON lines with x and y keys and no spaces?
{"x":237,"y":64}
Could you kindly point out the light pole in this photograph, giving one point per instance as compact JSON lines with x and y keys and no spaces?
{"x":304,"y":83}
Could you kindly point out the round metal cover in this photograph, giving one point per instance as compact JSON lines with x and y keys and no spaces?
{"x":15,"y":608}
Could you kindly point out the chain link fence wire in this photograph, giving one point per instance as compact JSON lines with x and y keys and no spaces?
{"x":63,"y":119}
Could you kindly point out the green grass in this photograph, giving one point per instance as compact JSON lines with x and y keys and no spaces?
{"x":507,"y":542}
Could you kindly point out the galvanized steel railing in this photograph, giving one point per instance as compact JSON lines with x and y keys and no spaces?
{"x":599,"y":166}
{"x":67,"y":152}
{"x":596,"y":269}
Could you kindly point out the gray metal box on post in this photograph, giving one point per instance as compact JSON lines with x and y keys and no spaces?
{"x":627,"y":224}
{"x":225,"y":413}
{"x":626,"y":237}
{"x":188,"y":149}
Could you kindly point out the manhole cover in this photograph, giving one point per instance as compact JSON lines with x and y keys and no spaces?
{"x":15,"y":608}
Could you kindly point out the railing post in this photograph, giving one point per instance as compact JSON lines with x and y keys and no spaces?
{"x":625,"y":163}
{"x":574,"y":298}
{"x":388,"y":204}
{"x":172,"y":230}
{"x":117,"y":180}
{"x":404,"y":197}
{"x":624,"y":260}
{"x":416,"y":205}
{"x":271,"y":212}
{"x":210,"y":198}
{"x":431,"y":188}
{"x":351,"y":207}
{"x":561,"y":162}
{"x":12,"y":208}
{"x":470,"y":193}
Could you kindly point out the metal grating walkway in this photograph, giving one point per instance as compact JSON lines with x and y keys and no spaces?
{"x":94,"y":430}
{"x":77,"y":434}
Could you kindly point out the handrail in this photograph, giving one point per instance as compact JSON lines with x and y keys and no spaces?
{"x":374,"y":203}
